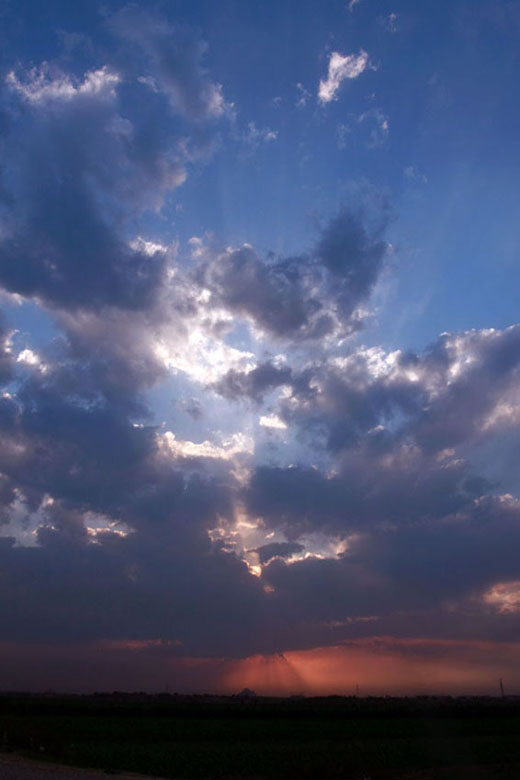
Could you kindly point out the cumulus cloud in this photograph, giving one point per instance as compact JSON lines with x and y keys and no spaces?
{"x":366,"y":515}
{"x":102,"y":161}
{"x":305,"y":297}
{"x":341,"y":67}
{"x":254,"y":384}
{"x":404,"y":507}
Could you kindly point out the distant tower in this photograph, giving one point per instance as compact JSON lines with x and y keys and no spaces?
{"x":357,"y":689}
{"x":502,"y":689}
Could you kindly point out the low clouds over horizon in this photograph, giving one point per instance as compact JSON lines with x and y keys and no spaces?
{"x":207,"y":447}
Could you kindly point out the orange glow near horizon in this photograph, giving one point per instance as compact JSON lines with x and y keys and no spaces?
{"x":378,"y":665}
{"x":382,"y":666}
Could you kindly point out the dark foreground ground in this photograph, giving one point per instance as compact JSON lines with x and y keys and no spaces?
{"x":16,"y":767}
{"x":215,"y":737}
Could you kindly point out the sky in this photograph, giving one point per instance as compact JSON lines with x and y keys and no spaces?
{"x":259,"y":346}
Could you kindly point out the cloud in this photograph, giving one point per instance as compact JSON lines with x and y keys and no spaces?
{"x":389,"y":23}
{"x":106,"y":148}
{"x":392,"y":424}
{"x":6,"y":353}
{"x":234,"y":445}
{"x":304,"y":95}
{"x":278,"y":550}
{"x":71,"y":452}
{"x":173,"y":62}
{"x":38,"y":85}
{"x":387,"y":582}
{"x":404,"y":511}
{"x":380,"y":126}
{"x":375,"y":511}
{"x":341,"y":67}
{"x":272,"y":421}
{"x":255,"y":136}
{"x":306,"y":297}
{"x":193,"y":407}
{"x":253,"y":384}
{"x":414,"y":174}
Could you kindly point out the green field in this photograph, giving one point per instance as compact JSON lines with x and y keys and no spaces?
{"x":205,"y":737}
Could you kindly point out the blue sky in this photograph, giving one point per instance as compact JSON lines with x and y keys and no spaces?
{"x":259,"y":273}
{"x":444,"y":80}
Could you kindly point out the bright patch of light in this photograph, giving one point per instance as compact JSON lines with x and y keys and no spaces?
{"x":504,"y":414}
{"x":204,"y":358}
{"x":272,"y":421}
{"x":377,"y":362}
{"x":504,"y":596}
{"x":30,"y":358}
{"x":149,"y":248}
{"x":236,"y":444}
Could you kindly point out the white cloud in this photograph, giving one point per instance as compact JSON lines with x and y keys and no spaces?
{"x":341,"y":67}
{"x":254,"y":136}
{"x":504,"y":596}
{"x":30,"y":358}
{"x":304,"y":95}
{"x":203,"y":357}
{"x":149,"y":248}
{"x":236,"y":444}
{"x":39,"y":86}
{"x":380,"y":126}
{"x":272,"y":421}
{"x":351,"y":5}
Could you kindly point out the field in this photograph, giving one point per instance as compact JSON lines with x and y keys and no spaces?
{"x":229,"y":737}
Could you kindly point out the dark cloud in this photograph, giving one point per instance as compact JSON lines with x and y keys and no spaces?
{"x":369,"y":491}
{"x":121,"y":528}
{"x":460,"y":390}
{"x":306,"y":297}
{"x":277,"y":550}
{"x":479,"y":371}
{"x":426,"y":579}
{"x":255,"y":383}
{"x":123,"y":548}
{"x":273,"y":294}
{"x":353,"y":258}
{"x":133,"y":587}
{"x":61,"y":157}
{"x":83,"y":159}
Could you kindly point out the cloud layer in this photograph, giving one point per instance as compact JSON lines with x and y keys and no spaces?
{"x":306,"y":489}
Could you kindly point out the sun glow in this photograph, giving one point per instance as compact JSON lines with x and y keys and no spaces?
{"x":379,"y":666}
